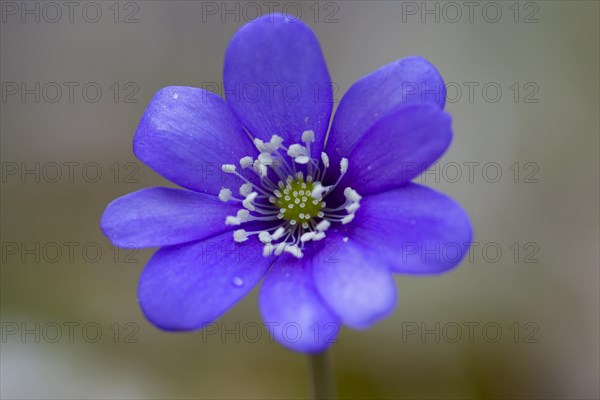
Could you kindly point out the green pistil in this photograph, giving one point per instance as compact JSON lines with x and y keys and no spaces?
{"x":296,"y":202}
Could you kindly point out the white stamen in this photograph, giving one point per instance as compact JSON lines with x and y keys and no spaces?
{"x":308,"y":137}
{"x":260,"y":169}
{"x":276,"y":142}
{"x":247,"y":203}
{"x":352,"y":194}
{"x":279,"y":248}
{"x":307,"y":236}
{"x":265,"y":158}
{"x":323,"y":225}
{"x":278,"y":233}
{"x":243,"y":215}
{"x":351,"y":209}
{"x":347,"y":218}
{"x":246,"y":162}
{"x":264,"y":237}
{"x":260,"y":145}
{"x":345,"y":240}
{"x":325,"y":159}
{"x":299,"y":154}
{"x":318,"y":190}
{"x":246,"y":189}
{"x":296,"y":150}
{"x":268,"y":250}
{"x":228,"y":168}
{"x":225,"y":195}
{"x":344,"y":165}
{"x":232,"y":221}
{"x":319,"y":236}
{"x":294,"y":250}
{"x":240,"y":235}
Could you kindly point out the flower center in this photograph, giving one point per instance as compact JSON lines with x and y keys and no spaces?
{"x":294,"y":208}
{"x":296,"y":203}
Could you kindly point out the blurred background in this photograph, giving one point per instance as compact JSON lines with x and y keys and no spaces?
{"x":518,"y":319}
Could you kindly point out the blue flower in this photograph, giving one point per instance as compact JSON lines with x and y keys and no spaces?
{"x":326,"y":225}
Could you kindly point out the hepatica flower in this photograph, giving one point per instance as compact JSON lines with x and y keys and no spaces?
{"x":325,"y":224}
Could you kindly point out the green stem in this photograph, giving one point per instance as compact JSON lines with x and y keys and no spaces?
{"x":321,"y":376}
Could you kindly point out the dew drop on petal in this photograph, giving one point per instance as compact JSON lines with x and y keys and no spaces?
{"x":175,"y":95}
{"x":237,"y":281}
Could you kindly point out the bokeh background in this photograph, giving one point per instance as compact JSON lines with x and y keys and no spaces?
{"x":541,"y":133}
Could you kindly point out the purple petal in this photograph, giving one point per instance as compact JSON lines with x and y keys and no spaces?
{"x":397,"y":148}
{"x":292,"y":309}
{"x":354,"y":285}
{"x":276,"y":80}
{"x":162,"y":216}
{"x":413,"y":230}
{"x":185,"y":287}
{"x":186,"y":134}
{"x":407,"y":81}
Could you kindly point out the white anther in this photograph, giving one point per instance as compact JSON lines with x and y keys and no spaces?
{"x":246,"y":189}
{"x":246,"y":162}
{"x":260,"y":168}
{"x":351,"y":209}
{"x":319,"y":236}
{"x":307,"y":236}
{"x":296,"y":150}
{"x":224,"y":194}
{"x":279,"y":248}
{"x":264,"y":237}
{"x":299,"y":154}
{"x":268,"y":250}
{"x":232,"y":221}
{"x":352,"y":194}
{"x":240,"y":235}
{"x":308,"y":137}
{"x":243,"y":215}
{"x":278,"y":234}
{"x":276,"y":141}
{"x":265,"y":158}
{"x":260,"y":145}
{"x":347,"y":219}
{"x":345,"y":240}
{"x":344,"y":165}
{"x":294,"y":250}
{"x":325,"y":159}
{"x":323,"y":225}
{"x":228,"y":168}
{"x":247,"y":203}
{"x":318,"y":190}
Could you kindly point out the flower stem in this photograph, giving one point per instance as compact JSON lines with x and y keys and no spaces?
{"x":321,"y":376}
